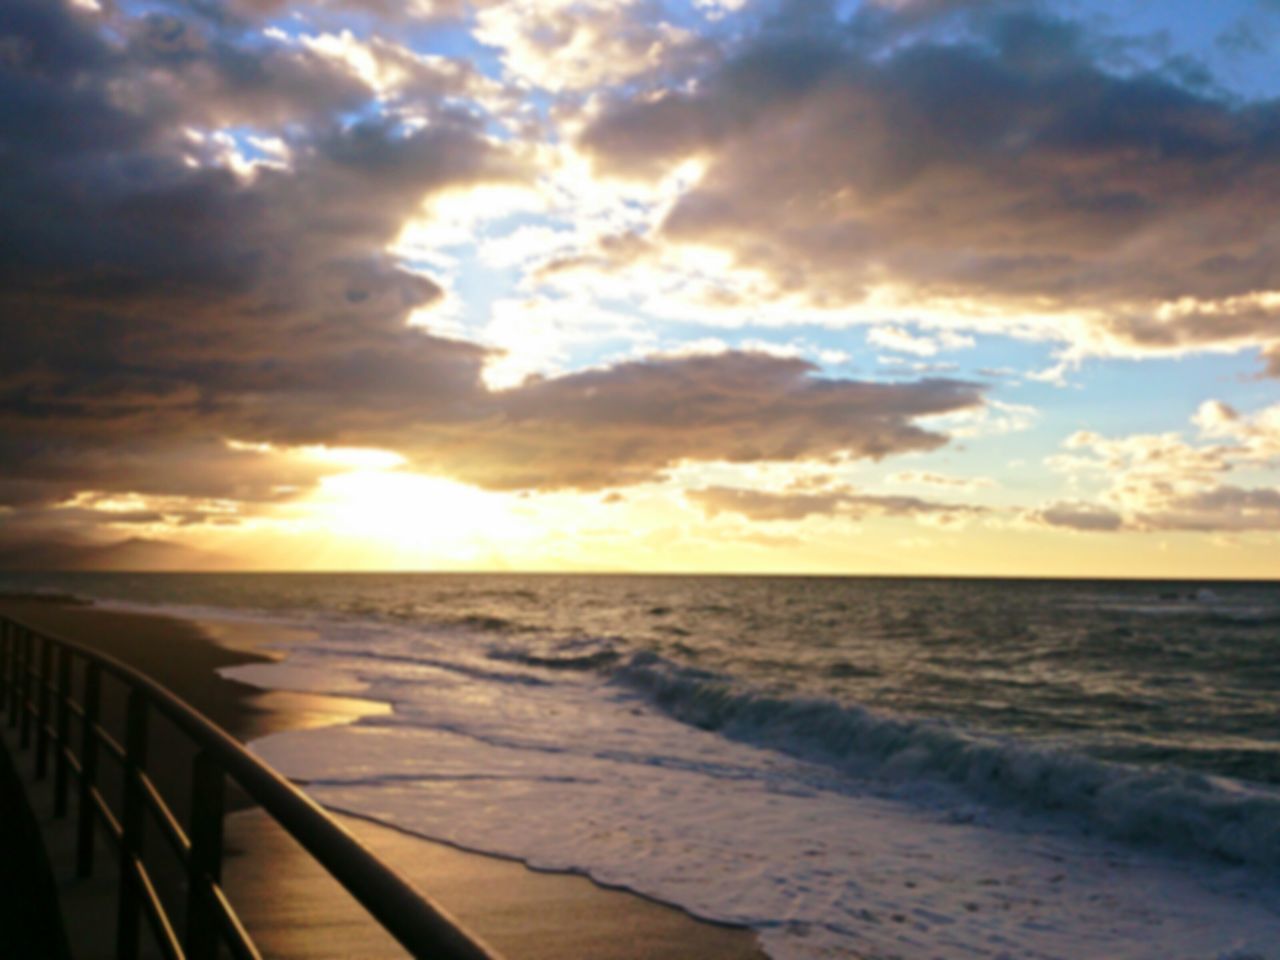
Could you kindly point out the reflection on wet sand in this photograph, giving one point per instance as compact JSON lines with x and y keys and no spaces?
{"x":288,"y":903}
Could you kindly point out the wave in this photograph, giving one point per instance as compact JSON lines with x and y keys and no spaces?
{"x":1150,"y":803}
{"x":39,"y":595}
{"x":482,"y":622}
{"x":1254,"y":617}
{"x":1203,"y":607}
{"x":1159,"y":805}
{"x":572,"y":653}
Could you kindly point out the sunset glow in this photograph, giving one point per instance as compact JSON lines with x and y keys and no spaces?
{"x":869,"y":287}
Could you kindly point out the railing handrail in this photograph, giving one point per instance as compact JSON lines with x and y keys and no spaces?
{"x":419,"y":924}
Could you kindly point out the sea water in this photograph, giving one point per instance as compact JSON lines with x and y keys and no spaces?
{"x":852,"y":767}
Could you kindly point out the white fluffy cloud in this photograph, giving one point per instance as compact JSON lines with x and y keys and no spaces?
{"x":1167,"y":482}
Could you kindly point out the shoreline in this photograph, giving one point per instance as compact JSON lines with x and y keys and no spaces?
{"x":521,"y":911}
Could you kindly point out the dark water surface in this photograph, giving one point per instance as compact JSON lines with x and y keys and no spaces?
{"x":1181,"y":673}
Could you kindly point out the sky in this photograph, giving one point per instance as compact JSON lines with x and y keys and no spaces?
{"x":866,"y":287}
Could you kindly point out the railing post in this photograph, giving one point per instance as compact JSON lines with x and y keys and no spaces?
{"x":204,"y":867}
{"x":411,"y":919}
{"x":131,"y":820}
{"x":15,"y":693}
{"x":62,"y":742}
{"x":4,"y":664}
{"x":46,"y":708}
{"x":88,"y":767}
{"x":28,"y":651}
{"x":10,"y":667}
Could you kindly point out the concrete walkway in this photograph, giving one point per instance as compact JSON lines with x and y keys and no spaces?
{"x":30,"y":922}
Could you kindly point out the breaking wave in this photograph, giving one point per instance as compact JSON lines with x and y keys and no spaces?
{"x":1164,"y":805}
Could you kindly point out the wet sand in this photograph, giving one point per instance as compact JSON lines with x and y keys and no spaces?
{"x":295,"y":908}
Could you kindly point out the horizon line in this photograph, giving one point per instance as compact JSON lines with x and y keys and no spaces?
{"x":1273,"y":579}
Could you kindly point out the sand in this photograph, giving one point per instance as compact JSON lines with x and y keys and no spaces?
{"x":289,"y":904}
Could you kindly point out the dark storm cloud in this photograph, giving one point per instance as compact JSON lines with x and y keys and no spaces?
{"x":998,"y":159}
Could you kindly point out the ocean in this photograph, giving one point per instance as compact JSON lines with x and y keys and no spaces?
{"x":853,"y":767}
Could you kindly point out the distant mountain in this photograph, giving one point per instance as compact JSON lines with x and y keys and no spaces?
{"x":133,"y":553}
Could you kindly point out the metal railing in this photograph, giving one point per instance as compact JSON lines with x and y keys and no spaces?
{"x":37,"y":690}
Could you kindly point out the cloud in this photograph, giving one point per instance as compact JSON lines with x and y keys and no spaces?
{"x":795,"y":505}
{"x":238,"y":11}
{"x":1165,"y":482}
{"x":1215,"y":418}
{"x":893,"y":337}
{"x":993,"y":418}
{"x":1192,"y":322}
{"x":630,"y":422}
{"x":49,"y":462}
{"x":577,"y":45}
{"x":993,"y":156}
{"x":171,"y":284}
{"x":1256,"y":435}
{"x":1074,"y":515}
{"x":1223,"y":508}
{"x":1272,"y":357}
{"x":159,"y":300}
{"x":199,"y":241}
{"x":930,"y":479}
{"x":130,"y":553}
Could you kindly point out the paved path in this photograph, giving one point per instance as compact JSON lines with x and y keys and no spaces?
{"x":30,"y":924}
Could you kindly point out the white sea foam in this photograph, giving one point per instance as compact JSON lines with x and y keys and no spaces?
{"x":524,"y":751}
{"x":1160,"y":805}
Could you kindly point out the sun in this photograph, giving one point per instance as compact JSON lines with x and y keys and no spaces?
{"x":411,"y":513}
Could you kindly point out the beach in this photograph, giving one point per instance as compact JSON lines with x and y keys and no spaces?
{"x":821,"y":767}
{"x":520,"y":912}
{"x":715,"y":479}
